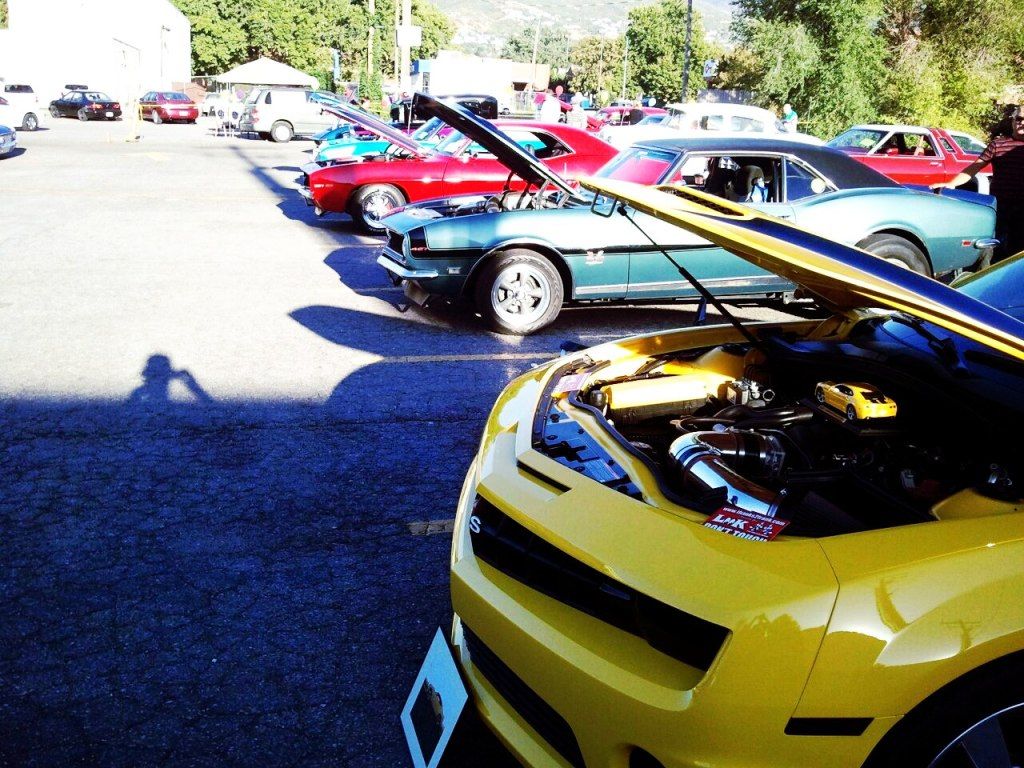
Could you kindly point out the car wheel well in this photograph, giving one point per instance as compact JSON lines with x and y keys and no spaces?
{"x":469,"y":287}
{"x":913,"y":727}
{"x":911,"y":238}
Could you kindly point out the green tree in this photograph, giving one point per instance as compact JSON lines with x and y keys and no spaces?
{"x":219,"y":41}
{"x":553,"y":48}
{"x":3,"y":13}
{"x":656,"y":37}
{"x":597,"y":65}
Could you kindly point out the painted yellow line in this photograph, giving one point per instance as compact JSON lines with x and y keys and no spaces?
{"x":470,"y":358}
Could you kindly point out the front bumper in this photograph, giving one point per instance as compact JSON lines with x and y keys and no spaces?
{"x":604,"y":689}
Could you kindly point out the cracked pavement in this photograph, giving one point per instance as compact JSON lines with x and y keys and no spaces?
{"x":218,"y":422}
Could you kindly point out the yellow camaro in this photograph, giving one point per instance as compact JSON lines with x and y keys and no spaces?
{"x":667,"y":555}
{"x":855,"y":401}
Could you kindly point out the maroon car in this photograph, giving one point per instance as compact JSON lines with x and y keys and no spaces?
{"x":369,"y":187}
{"x":168,"y":107}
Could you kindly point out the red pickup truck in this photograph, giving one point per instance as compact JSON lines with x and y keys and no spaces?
{"x":910,"y":154}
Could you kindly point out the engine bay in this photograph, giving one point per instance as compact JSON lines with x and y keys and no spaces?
{"x":811,"y":444}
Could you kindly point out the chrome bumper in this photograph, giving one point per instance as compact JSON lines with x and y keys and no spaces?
{"x":986,"y":242}
{"x":307,"y":195}
{"x":406,"y":274}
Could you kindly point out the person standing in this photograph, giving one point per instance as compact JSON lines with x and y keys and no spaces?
{"x":1006,"y":154}
{"x":789,"y":118}
{"x":550,"y":110}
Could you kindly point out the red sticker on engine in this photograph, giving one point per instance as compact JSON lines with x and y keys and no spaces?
{"x":745,"y":524}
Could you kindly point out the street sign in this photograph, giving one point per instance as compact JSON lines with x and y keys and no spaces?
{"x":409,"y":36}
{"x":710,"y":69}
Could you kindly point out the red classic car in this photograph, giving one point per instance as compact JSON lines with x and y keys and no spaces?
{"x":910,"y":154}
{"x":369,"y":187}
{"x":167,"y":107}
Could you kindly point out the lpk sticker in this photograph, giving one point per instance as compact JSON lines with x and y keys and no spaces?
{"x":745,"y":524}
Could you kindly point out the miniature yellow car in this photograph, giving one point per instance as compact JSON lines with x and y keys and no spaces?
{"x":647,"y":573}
{"x":857,"y":401}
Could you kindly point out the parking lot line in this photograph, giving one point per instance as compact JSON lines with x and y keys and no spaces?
{"x":543,"y":355}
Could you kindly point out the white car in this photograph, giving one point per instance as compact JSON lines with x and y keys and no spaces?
{"x":696,"y":118}
{"x":19,"y":106}
{"x":283,"y":113}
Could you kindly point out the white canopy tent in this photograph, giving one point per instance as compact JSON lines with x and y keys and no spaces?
{"x":266,"y":71}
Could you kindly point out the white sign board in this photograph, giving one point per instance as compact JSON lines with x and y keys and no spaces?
{"x":409,"y":36}
{"x":437,"y":699}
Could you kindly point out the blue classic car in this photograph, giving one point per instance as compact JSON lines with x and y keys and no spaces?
{"x":520,"y":256}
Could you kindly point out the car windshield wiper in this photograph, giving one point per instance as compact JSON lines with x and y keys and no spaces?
{"x":946,"y":349}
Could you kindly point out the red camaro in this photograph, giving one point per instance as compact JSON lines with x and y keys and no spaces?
{"x":371,"y":186}
{"x":910,"y":154}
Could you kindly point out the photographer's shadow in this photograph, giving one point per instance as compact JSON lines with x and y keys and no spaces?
{"x":162,"y":385}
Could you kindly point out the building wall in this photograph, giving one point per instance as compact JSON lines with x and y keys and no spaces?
{"x":456,"y":72}
{"x":123,"y":47}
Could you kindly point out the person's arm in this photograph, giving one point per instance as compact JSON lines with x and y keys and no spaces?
{"x":971,"y":170}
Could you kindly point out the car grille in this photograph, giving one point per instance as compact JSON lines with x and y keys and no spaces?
{"x":548,"y":724}
{"x":512,"y":549}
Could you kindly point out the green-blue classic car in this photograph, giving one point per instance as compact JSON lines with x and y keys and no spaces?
{"x":518,"y":257}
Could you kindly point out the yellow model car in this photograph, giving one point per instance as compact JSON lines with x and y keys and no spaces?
{"x":855,"y":401}
{"x":667,"y":556}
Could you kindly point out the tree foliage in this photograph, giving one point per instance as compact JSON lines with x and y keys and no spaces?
{"x":656,"y":37}
{"x":302,"y":33}
{"x":3,"y":13}
{"x":553,"y":47}
{"x":840,"y":62}
{"x":597,"y":65}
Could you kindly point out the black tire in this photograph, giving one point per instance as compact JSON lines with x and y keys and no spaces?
{"x":282,"y":132}
{"x":518,"y":292}
{"x":371,"y":203}
{"x":897,"y":250}
{"x":54,"y":112}
{"x":83,"y":115}
{"x":943,"y":730}
{"x":30,"y":122}
{"x":819,"y":394}
{"x":155,"y":117}
{"x":851,"y":413}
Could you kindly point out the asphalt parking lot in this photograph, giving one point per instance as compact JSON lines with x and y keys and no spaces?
{"x":221,"y":430}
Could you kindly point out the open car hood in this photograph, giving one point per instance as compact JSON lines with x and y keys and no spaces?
{"x":382,"y":129}
{"x":844,"y":278}
{"x":511,"y":155}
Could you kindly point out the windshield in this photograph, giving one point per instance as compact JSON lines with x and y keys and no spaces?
{"x":451,"y":142}
{"x":175,"y":96}
{"x":640,"y":165}
{"x":432,"y":129}
{"x":861,"y":139}
{"x":96,"y":96}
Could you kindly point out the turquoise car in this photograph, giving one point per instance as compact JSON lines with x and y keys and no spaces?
{"x":518,"y":258}
{"x":429,"y":135}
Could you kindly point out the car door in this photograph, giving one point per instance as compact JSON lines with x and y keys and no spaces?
{"x":75,"y":102}
{"x":654,"y":276}
{"x":921,"y":160}
{"x":146,"y":104}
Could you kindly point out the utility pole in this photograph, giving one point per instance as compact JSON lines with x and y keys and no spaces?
{"x":536,"y":42}
{"x":686,"y":50}
{"x":406,"y":46}
{"x":397,"y":54}
{"x":625,"y":66}
{"x":372,"y":8}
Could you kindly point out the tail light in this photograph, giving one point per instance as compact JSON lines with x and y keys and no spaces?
{"x":255,"y":114}
{"x":117,"y":105}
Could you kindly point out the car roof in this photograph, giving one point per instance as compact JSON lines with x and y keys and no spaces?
{"x":725,"y":108}
{"x":840,"y":168}
{"x":882,"y":127}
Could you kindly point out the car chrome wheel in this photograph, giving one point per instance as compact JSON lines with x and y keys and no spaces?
{"x":985,"y":743}
{"x":851,"y":412}
{"x":54,"y":112}
{"x":520,"y":295}
{"x":30,"y":123}
{"x":83,"y":115}
{"x":379,"y":204}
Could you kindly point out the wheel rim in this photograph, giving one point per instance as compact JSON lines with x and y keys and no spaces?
{"x":851,"y":413}
{"x":82,"y":115}
{"x":984,"y":743}
{"x":30,"y":123}
{"x":819,"y":396}
{"x":520,"y":295}
{"x":377,"y":205}
{"x":280,"y":133}
{"x":54,"y":112}
{"x":897,"y":262}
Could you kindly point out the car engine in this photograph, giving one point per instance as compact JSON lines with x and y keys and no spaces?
{"x":732,"y":427}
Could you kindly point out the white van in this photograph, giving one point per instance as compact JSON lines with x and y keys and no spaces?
{"x":696,"y":118}
{"x":21,"y":109}
{"x":283,"y":113}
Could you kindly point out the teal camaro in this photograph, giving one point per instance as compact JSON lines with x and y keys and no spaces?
{"x":519,"y":257}
{"x":352,"y":145}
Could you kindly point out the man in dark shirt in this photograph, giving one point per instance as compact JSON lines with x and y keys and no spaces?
{"x":1006,"y":154}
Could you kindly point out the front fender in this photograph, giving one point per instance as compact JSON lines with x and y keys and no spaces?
{"x":538,"y":245}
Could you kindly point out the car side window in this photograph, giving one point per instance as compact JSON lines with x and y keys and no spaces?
{"x":75,"y":98}
{"x":801,"y":182}
{"x":844,"y":390}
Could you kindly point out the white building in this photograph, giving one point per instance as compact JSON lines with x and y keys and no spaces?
{"x":122,"y":47}
{"x":454,"y":72}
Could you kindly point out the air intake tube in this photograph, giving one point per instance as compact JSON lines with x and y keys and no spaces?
{"x":706,"y":462}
